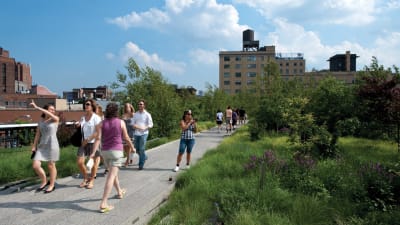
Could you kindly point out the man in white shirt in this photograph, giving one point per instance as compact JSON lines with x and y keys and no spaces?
{"x":142,"y":122}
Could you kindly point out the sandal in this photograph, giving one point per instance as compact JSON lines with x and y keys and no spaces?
{"x":90,"y":185}
{"x":106,"y":209}
{"x":122,"y":194}
{"x":83,"y":184}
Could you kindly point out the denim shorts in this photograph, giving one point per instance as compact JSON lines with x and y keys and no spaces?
{"x":186,"y":144}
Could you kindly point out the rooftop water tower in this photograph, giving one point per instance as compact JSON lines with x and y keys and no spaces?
{"x":249,"y":44}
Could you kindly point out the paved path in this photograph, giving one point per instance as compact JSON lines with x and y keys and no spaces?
{"x":69,"y":204}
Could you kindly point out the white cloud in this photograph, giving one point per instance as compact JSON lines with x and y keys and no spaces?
{"x":387,"y":49}
{"x":177,"y":6}
{"x":201,"y":19}
{"x":343,"y":12}
{"x":293,"y":38}
{"x":351,"y":12}
{"x":151,"y":18}
{"x":201,"y":56}
{"x":131,"y":50}
{"x":110,"y":56}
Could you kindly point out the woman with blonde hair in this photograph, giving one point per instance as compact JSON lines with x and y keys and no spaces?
{"x":129,"y":112}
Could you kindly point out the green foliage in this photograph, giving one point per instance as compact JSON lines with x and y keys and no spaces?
{"x":296,"y":190}
{"x":161,"y":99}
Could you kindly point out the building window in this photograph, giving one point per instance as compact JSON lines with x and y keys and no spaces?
{"x":295,"y":64}
{"x":238,"y":66}
{"x":238,"y":83}
{"x":238,"y":58}
{"x":295,"y":71}
{"x":287,"y":64}
{"x":251,"y":58}
{"x":262,"y":58}
{"x":251,"y":66}
{"x":301,"y":71}
{"x":227,"y":82}
{"x":226,"y":66}
{"x":301,"y":64}
{"x":227,"y":58}
{"x":237,"y":91}
{"x":227,"y":75}
{"x":251,"y":74}
{"x":238,"y":74}
{"x":250,"y":82}
{"x":227,"y":91}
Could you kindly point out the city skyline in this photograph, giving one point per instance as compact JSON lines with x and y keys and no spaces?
{"x":72,"y":44}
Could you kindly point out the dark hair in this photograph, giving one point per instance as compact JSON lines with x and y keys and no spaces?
{"x":93,"y":103}
{"x":111,"y":110}
{"x":185,"y":113}
{"x":46,"y":107}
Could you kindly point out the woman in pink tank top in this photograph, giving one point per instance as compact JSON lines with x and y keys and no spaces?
{"x":111,"y":131}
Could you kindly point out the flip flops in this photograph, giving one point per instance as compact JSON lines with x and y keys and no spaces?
{"x":106,"y":209}
{"x":122,"y":194}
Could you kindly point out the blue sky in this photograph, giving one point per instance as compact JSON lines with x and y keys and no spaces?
{"x":77,"y":43}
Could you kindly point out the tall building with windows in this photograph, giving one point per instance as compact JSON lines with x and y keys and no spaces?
{"x":15,"y":76}
{"x":239,"y":70}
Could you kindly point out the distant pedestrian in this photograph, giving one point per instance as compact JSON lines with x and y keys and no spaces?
{"x":142,"y":122}
{"x":242,"y":113}
{"x":110,"y":132}
{"x":45,"y":147}
{"x":188,"y":127}
{"x":87,"y":124}
{"x":228,"y":119}
{"x":127,"y":116}
{"x":235,"y":118}
{"x":219,"y":119}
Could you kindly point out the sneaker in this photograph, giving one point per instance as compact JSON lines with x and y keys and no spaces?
{"x":176,"y":169}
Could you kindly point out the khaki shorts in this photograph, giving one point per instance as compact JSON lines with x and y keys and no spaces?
{"x":113,"y":158}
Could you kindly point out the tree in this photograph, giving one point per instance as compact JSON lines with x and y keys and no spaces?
{"x":161,"y":99}
{"x":378,"y":93}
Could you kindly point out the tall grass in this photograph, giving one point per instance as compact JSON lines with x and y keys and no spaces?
{"x":220,"y":188}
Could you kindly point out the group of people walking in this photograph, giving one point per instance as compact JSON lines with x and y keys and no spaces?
{"x":232,"y":118}
{"x":105,"y":137}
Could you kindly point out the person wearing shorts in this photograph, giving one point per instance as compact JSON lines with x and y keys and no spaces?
{"x":111,"y":131}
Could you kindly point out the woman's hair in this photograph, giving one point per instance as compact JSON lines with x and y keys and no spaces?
{"x":130,"y":107}
{"x":93,"y":103}
{"x":111,"y":110}
{"x":185,"y":113}
{"x":99,"y":111}
{"x":46,"y":107}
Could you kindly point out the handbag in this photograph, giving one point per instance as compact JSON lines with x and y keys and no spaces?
{"x":76,"y":138}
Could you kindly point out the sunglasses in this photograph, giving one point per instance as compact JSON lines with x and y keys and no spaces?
{"x":88,"y":104}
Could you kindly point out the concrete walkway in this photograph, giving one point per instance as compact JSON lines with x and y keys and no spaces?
{"x":69,"y":204}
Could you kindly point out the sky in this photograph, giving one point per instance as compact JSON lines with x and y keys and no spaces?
{"x":81,"y":43}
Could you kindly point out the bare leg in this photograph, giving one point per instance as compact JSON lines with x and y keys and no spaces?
{"x":36,"y":165}
{"x":53,"y":174}
{"x":188,"y":158}
{"x":82,"y":167}
{"x":112,"y":180}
